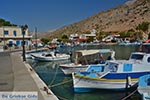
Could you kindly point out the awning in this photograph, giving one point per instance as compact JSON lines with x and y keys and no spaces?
{"x":94,"y":51}
{"x":87,"y":52}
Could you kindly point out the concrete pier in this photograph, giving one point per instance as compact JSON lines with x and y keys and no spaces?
{"x":17,"y":75}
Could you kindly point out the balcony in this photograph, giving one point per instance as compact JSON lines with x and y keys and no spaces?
{"x":15,"y":37}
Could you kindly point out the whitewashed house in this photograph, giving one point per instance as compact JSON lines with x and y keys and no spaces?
{"x":12,"y":36}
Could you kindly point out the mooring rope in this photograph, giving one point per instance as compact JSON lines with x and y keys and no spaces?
{"x":129,"y":95}
{"x":54,"y":77}
{"x":61,"y":83}
{"x":46,"y":72}
{"x":61,"y":97}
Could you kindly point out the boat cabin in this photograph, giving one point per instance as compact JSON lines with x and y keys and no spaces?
{"x":137,"y":62}
{"x":94,"y":56}
{"x":140,"y":56}
{"x":47,"y":55}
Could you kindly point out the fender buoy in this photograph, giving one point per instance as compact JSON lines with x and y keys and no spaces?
{"x":148,"y":41}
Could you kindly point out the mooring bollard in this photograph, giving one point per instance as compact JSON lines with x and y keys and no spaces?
{"x":128,"y":84}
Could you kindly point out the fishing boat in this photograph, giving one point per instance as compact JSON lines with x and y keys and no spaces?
{"x":72,"y":67}
{"x":83,"y":58}
{"x":144,"y":87}
{"x":50,"y":56}
{"x":114,"y":75}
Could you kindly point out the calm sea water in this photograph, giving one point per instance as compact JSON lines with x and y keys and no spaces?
{"x":51,"y":74}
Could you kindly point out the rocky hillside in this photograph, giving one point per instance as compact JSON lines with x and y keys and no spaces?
{"x":122,"y":18}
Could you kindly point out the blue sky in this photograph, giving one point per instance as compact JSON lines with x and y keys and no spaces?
{"x":51,"y":14}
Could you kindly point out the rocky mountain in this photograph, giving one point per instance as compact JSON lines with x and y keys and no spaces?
{"x":40,"y":34}
{"x":122,"y":18}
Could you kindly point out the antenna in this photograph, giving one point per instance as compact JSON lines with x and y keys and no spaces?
{"x":36,"y":45}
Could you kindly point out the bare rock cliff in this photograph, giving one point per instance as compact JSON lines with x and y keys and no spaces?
{"x":121,"y":18}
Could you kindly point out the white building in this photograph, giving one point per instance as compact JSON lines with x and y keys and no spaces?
{"x":73,"y":36}
{"x":12,"y":36}
{"x":108,"y":38}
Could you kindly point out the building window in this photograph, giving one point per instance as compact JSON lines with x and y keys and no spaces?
{"x":23,"y":33}
{"x":127,"y":67}
{"x":17,"y":42}
{"x":10,"y":43}
{"x":5,"y":32}
{"x":15,"y":33}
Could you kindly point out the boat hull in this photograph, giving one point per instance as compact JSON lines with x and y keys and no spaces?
{"x":83,"y":85}
{"x":86,"y":84}
{"x":41,"y":58}
{"x":71,"y":68}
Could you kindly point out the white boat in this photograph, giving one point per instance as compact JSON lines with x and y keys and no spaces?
{"x":72,"y":67}
{"x":144,"y":86}
{"x":50,"y":56}
{"x":83,"y":58}
{"x":114,"y":74}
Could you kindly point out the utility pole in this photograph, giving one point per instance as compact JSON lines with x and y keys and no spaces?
{"x":36,"y":38}
{"x":23,"y":30}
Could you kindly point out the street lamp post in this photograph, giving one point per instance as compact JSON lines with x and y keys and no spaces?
{"x":23,"y":28}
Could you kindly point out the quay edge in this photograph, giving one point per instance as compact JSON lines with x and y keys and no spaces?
{"x":20,"y":76}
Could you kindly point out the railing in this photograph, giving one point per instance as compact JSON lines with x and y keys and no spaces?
{"x":16,"y":37}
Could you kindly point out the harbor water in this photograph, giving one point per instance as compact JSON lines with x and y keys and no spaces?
{"x":62,"y":85}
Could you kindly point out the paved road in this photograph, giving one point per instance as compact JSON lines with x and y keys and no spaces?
{"x":6,"y":72}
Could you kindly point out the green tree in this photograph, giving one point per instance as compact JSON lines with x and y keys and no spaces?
{"x":59,"y":40}
{"x":128,"y":34}
{"x":100,"y":35}
{"x":143,"y":26}
{"x":5,"y":23}
{"x":45,"y":40}
{"x":122,"y":34}
{"x":65,"y":38}
{"x":91,"y":39}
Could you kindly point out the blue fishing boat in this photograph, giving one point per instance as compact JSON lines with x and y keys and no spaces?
{"x":144,"y":87}
{"x":113,"y":75}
